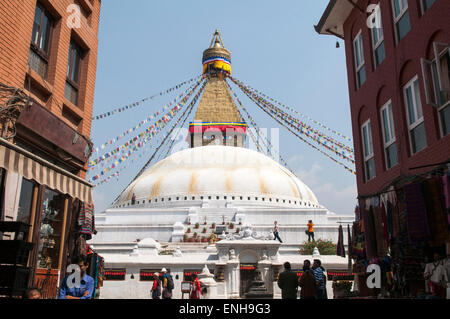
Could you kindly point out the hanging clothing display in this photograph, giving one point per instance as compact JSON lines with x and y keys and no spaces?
{"x":380,"y":239}
{"x":435,"y":206}
{"x":340,"y":249}
{"x":446,"y":191}
{"x":349,"y":240}
{"x":369,"y":233}
{"x":416,"y":215}
{"x":86,"y":220}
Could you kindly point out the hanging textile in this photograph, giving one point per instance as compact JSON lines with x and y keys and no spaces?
{"x":435,"y":207}
{"x":369,"y":233}
{"x":358,"y":241}
{"x":80,"y":247}
{"x":416,"y":215}
{"x":340,"y":250}
{"x":379,"y":231}
{"x":446,"y":190}
{"x":389,"y":220}
{"x":349,"y":240}
{"x":86,"y":220}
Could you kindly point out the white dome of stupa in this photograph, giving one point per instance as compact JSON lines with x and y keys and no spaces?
{"x":217,"y":173}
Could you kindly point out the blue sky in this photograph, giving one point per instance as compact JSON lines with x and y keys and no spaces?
{"x":147,"y":46}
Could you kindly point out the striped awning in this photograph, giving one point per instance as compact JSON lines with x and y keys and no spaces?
{"x":31,"y":167}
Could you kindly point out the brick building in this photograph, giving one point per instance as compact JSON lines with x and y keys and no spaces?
{"x":391,"y":60}
{"x":48,"y":62}
{"x":398,"y":66}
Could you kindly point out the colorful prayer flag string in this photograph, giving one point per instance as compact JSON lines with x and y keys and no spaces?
{"x":148,"y":119}
{"x":176,"y":109}
{"x":302,"y":115}
{"x":140,"y":102}
{"x":301,"y":138}
{"x":152,"y":130}
{"x":315,"y":135}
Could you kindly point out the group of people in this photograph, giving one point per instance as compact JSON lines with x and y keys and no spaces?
{"x":163,"y":285}
{"x":309,"y":232}
{"x":312,"y":283}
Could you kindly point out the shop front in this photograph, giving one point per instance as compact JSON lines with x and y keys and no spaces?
{"x":405,"y":231}
{"x":56,"y":206}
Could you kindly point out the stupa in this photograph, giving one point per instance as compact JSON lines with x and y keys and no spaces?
{"x":216,"y":181}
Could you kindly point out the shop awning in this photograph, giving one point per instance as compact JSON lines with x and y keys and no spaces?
{"x":31,"y":167}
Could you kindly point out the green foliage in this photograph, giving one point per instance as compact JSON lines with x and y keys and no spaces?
{"x":326,"y":247}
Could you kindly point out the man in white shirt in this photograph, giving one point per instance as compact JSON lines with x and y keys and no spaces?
{"x":436,"y":277}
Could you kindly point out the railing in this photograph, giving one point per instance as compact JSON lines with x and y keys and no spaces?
{"x":38,"y":64}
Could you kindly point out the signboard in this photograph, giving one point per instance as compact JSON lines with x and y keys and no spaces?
{"x":185,"y":286}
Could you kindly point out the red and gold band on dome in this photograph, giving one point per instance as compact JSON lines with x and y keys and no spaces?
{"x":201,"y":127}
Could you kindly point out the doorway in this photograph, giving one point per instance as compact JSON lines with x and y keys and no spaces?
{"x":247,"y":274}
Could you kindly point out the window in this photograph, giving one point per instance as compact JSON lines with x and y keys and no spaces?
{"x":401,"y":18}
{"x":369,"y":161}
{"x":359,"y":60}
{"x":389,"y":141}
{"x":52,"y":212}
{"x":436,"y":75}
{"x":73,"y":73}
{"x":115,"y":274}
{"x":147,"y":274}
{"x":188,"y":275}
{"x":416,"y":125}
{"x":25,"y":201}
{"x":40,"y":41}
{"x":378,"y":39}
{"x":426,"y":4}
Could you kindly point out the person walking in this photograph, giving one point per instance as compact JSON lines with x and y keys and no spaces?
{"x":167,"y":284}
{"x":288,"y":283}
{"x":310,"y":231}
{"x":156,"y":288}
{"x":196,"y":288}
{"x":320,"y":279}
{"x":307,"y":282}
{"x":85,"y":288}
{"x":275,"y":232}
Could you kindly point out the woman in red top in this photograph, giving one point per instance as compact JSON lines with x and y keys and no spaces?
{"x":196,"y":288}
{"x":156,"y":288}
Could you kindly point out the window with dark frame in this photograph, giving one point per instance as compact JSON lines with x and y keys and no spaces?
{"x":426,"y":4}
{"x":379,"y":51}
{"x":360,"y":68}
{"x":115,"y":274}
{"x":402,"y":20}
{"x":38,"y":58}
{"x":73,"y":73}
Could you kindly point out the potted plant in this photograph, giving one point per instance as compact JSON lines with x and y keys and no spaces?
{"x":190,"y":239}
{"x":197,"y":225}
{"x":238,"y":230}
{"x":231,"y":226}
{"x":197,"y":240}
{"x":204,"y":230}
{"x":341,"y":288}
{"x":189,"y":221}
{"x":188,"y":231}
{"x":195,"y":235}
{"x":204,"y":239}
{"x":185,"y":237}
{"x":213,"y":226}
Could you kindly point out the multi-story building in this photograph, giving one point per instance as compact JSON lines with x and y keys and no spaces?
{"x":48,"y":62}
{"x":398,"y":65}
{"x":398,"y":77}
